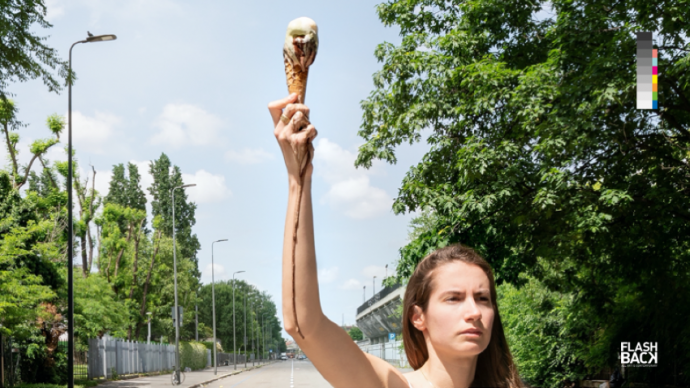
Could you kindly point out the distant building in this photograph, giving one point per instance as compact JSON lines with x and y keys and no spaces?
{"x":377,"y":317}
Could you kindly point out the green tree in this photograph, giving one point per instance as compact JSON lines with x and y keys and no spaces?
{"x":24,"y":53}
{"x":356,"y":334}
{"x":38,"y":148}
{"x":260,"y":316}
{"x":124,"y":190}
{"x":165,"y":178}
{"x":539,"y":157}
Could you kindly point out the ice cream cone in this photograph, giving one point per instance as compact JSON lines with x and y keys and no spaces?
{"x":296,"y":80}
{"x":299,"y":52}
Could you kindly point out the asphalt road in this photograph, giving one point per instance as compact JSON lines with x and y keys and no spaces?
{"x":282,"y":374}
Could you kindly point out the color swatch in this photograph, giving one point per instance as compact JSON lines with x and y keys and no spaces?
{"x":647,"y":88}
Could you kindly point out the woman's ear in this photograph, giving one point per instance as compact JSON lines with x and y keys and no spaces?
{"x":418,"y":318}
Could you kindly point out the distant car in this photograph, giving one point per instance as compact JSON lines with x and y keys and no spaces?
{"x":302,"y":357}
{"x":283,"y":356}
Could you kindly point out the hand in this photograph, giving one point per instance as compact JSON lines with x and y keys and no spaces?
{"x":295,"y":137}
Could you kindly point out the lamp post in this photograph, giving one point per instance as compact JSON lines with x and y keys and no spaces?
{"x":213,"y":303}
{"x":364,"y":291}
{"x":177,"y":310}
{"x":70,"y":226}
{"x":234,"y":346}
{"x":256,"y":354}
{"x":196,"y":313}
{"x":374,"y":283}
{"x":263,"y":334}
{"x":244,"y":343}
{"x":148,"y":338}
{"x":386,"y":271}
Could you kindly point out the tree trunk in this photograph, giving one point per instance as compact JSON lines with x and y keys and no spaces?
{"x":84,"y":261}
{"x":135,"y":265}
{"x":122,"y":251}
{"x":88,"y":229}
{"x":14,"y":157}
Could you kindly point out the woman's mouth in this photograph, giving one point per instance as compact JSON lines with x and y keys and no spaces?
{"x":472,"y":332}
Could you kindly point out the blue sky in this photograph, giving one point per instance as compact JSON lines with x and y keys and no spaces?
{"x":192,"y":79}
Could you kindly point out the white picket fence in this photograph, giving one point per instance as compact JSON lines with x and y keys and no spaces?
{"x":111,"y":355}
{"x":389,"y":351}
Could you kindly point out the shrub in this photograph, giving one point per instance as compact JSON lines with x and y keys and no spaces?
{"x":193,"y":355}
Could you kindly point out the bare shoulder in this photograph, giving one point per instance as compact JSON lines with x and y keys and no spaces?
{"x":388,"y":374}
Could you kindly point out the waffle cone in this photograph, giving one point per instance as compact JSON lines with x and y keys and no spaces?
{"x":296,"y":80}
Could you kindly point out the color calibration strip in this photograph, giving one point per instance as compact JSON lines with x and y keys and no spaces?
{"x":647,"y":96}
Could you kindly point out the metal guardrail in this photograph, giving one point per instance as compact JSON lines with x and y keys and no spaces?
{"x":379,"y":295}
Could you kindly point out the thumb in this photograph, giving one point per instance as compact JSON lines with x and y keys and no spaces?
{"x":276,"y":107}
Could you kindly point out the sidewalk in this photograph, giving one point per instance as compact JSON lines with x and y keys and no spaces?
{"x":192,"y":380}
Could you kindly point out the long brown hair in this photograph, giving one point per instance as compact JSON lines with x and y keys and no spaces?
{"x":495,"y":367}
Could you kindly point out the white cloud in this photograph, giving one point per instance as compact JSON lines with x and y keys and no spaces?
{"x":328,"y":275}
{"x":352,"y":284}
{"x":54,"y":9}
{"x":93,"y":134}
{"x":209,"y":187}
{"x":350,"y":190}
{"x":249,"y":156}
{"x":185,"y":124}
{"x":103,"y":178}
{"x":218,"y":273}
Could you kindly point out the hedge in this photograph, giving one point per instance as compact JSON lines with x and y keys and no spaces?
{"x":193,"y":355}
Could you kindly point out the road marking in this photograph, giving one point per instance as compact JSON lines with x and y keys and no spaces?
{"x":292,"y":375}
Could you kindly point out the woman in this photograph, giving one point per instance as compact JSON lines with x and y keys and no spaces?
{"x":452,"y":330}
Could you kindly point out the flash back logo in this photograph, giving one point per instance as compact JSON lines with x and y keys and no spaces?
{"x":642,"y":354}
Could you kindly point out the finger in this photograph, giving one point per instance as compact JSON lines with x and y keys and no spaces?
{"x":291,"y":109}
{"x":276,"y":107}
{"x":309,"y":132}
{"x":299,"y":121}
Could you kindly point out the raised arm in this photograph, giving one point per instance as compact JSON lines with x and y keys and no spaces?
{"x":329,"y":347}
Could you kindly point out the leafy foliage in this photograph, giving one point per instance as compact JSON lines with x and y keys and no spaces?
{"x":356,"y":334}
{"x":260,"y":315}
{"x":166,"y":177}
{"x":540,"y":159}
{"x":193,"y":355}
{"x":24,"y":54}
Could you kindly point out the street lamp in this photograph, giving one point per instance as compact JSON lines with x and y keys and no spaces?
{"x":196,"y":312}
{"x":364,"y":291}
{"x":213,"y":303}
{"x":234,"y":345}
{"x":244,"y":343}
{"x":148,"y":338}
{"x":70,"y":223}
{"x":252,"y":333}
{"x":177,"y":310}
{"x":374,"y":282}
{"x":263,"y":335}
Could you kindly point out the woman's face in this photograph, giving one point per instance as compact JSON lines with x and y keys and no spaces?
{"x":460,"y":315}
